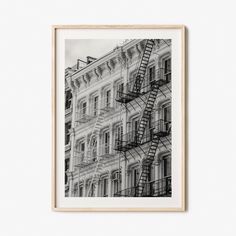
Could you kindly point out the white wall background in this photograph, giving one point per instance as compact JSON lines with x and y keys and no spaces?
{"x":25,"y":124}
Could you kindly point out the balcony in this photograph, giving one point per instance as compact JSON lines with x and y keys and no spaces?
{"x":127,"y":93}
{"x":105,"y":151}
{"x":160,"y":128}
{"x":107,"y":106}
{"x":157,"y":188}
{"x":92,"y":154}
{"x":83,"y":117}
{"x":78,"y":158}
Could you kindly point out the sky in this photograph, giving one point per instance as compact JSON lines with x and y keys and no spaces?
{"x":81,"y":48}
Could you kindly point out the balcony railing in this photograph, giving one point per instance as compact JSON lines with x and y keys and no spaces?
{"x":126,"y":94}
{"x":92,"y":154}
{"x":107,"y":106}
{"x":161,"y":128}
{"x":105,"y":150}
{"x":130,"y":140}
{"x":83,"y":117}
{"x":157,"y":188}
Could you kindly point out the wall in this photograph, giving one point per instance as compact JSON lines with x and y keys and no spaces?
{"x":25,"y":59}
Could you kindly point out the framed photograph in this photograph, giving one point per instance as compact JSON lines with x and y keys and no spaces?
{"x":118,"y":118}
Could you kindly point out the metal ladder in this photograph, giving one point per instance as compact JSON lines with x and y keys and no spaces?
{"x":96,"y":128}
{"x":147,"y":112}
{"x":146,"y":164}
{"x":143,"y":66}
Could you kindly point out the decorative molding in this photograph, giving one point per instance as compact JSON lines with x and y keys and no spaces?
{"x":129,"y":54}
{"x":108,"y":66}
{"x":112,"y":63}
{"x":96,"y":74}
{"x":77,"y":83}
{"x":85,"y":81}
{"x":87,"y":77}
{"x":70,"y":83}
{"x":99,"y":70}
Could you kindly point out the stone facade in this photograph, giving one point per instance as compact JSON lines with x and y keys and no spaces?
{"x":94,"y":120}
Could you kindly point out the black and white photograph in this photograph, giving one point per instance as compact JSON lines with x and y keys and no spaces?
{"x":118,"y":118}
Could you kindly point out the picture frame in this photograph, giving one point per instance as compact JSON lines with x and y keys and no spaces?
{"x":141,"y":192}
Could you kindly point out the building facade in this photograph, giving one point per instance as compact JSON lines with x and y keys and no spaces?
{"x":118,"y":123}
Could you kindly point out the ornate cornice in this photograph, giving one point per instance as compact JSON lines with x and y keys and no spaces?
{"x":70,"y":83}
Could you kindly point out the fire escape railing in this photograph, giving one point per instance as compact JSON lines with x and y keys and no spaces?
{"x":126,"y":94}
{"x":130,"y":140}
{"x":157,"y":188}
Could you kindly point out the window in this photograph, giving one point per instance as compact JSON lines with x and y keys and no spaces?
{"x":83,"y":108}
{"x":108,"y":98}
{"x":134,"y":131}
{"x":119,"y":132}
{"x":104,"y":187}
{"x":134,"y":177}
{"x":93,"y":147}
{"x":166,"y":166}
{"x":135,"y":125}
{"x":81,"y":150}
{"x":106,"y":142}
{"x":118,"y":135}
{"x":95,"y":106}
{"x":167,"y":69}
{"x":119,"y":93}
{"x":121,"y":87}
{"x":166,"y":108}
{"x":81,"y":191}
{"x":68,"y":99}
{"x":67,"y":165}
{"x":67,"y":132}
{"x":151,"y":73}
{"x":116,"y":182}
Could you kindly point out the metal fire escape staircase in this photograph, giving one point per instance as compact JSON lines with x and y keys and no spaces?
{"x":146,"y":164}
{"x":89,"y":159}
{"x":143,"y":66}
{"x":156,"y":136}
{"x":98,"y":158}
{"x":133,"y":89}
{"x":147,"y":112}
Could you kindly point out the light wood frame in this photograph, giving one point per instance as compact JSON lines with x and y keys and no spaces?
{"x":183,"y":115}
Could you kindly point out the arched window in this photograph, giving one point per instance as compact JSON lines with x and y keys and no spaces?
{"x":93,"y":147}
{"x":104,"y":186}
{"x":166,"y":66}
{"x":79,"y":151}
{"x":68,"y":98}
{"x":166,"y":116}
{"x":118,"y":135}
{"x":67,"y":132}
{"x":134,"y":172}
{"x":116,"y":181}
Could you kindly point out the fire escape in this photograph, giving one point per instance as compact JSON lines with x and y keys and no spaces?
{"x":83,"y":159}
{"x":158,"y":133}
